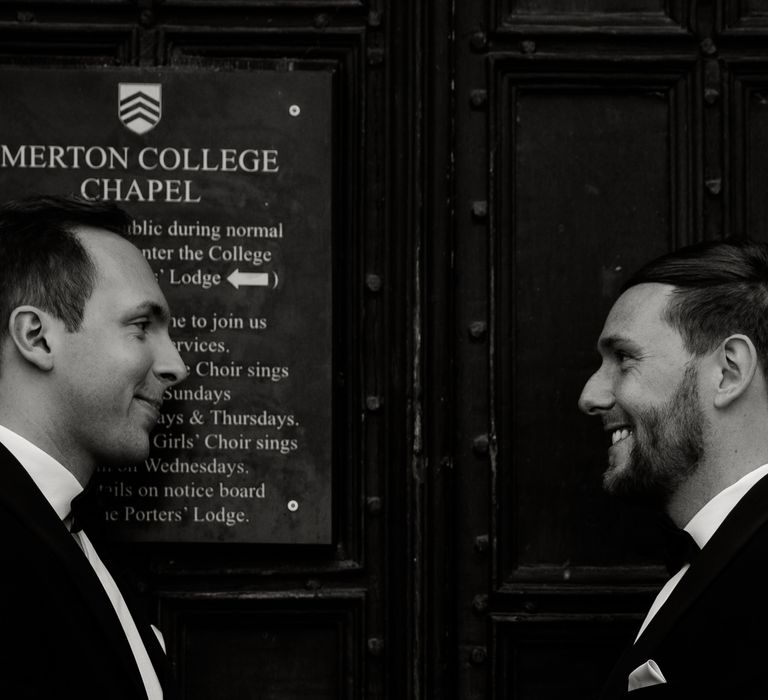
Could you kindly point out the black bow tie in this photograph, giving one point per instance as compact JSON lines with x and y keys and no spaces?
{"x":679,"y":547}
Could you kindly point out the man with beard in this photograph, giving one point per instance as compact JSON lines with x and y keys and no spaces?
{"x":682,"y":393}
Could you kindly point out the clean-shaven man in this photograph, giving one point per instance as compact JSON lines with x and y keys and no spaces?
{"x":682,"y":395}
{"x":85,"y":358}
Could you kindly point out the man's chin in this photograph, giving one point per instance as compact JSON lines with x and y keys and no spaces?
{"x":612,"y":479}
{"x":624,"y":481}
{"x":623,"y":476}
{"x":130,"y":455}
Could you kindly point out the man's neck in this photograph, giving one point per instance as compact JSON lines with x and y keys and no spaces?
{"x":38,"y":435}
{"x":704,"y":484}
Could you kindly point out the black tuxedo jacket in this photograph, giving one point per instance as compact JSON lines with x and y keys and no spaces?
{"x":62,"y":637}
{"x":710,"y":638}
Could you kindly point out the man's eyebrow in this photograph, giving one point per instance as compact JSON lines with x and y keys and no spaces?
{"x":152,"y":308}
{"x":610,"y":342}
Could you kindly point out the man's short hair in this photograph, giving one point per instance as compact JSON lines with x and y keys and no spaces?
{"x":42,"y":262}
{"x":721,"y":289}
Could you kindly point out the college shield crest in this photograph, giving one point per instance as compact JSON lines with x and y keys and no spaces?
{"x":140,"y":105}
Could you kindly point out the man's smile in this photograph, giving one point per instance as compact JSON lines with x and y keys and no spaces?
{"x":618,"y":428}
{"x":155,"y":405}
{"x":620,"y":434}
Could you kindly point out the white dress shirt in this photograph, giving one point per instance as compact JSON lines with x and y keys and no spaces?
{"x":703,"y":525}
{"x":59,"y":486}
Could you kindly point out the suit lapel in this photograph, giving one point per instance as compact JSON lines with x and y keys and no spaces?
{"x":749,"y":514}
{"x":156,"y":653}
{"x":738,"y":527}
{"x":20,"y":495}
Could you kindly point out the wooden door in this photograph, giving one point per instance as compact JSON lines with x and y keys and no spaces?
{"x":590,"y":137}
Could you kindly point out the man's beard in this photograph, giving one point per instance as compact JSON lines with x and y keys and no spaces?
{"x":667,"y":448}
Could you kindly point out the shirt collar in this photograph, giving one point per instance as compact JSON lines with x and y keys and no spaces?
{"x":55,"y":481}
{"x":704,"y":524}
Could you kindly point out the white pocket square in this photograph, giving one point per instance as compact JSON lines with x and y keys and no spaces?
{"x":644,"y":675}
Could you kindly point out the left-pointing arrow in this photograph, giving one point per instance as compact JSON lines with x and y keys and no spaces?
{"x":248,"y":279}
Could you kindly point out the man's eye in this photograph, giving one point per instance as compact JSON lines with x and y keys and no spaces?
{"x":141,"y":325}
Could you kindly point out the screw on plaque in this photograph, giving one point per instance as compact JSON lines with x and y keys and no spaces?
{"x":482,"y":543}
{"x":480,"y":603}
{"x":373,"y":403}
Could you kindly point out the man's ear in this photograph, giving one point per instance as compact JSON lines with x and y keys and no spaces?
{"x":29,"y":329}
{"x":737,"y":363}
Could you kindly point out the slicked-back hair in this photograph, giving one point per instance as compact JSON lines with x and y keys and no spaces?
{"x":42,"y":262}
{"x":721,"y":289}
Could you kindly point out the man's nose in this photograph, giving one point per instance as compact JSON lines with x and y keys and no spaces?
{"x":168,"y":365}
{"x":597,"y":395}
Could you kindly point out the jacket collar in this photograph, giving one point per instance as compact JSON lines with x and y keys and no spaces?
{"x":53,"y":479}
{"x":19,"y":495}
{"x":747,"y":516}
